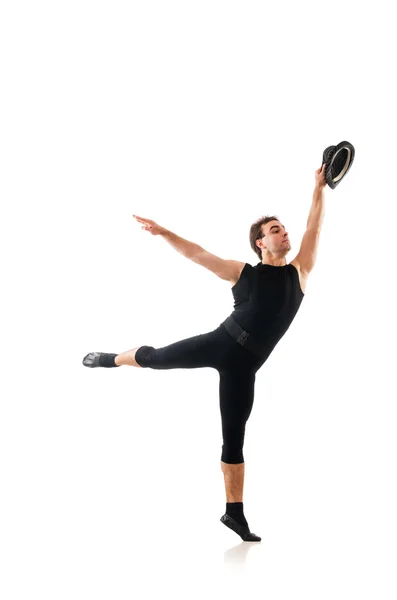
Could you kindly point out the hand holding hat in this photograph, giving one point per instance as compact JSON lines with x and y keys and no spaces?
{"x":320,"y":177}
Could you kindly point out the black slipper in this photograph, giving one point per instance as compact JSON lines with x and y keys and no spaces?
{"x":242,"y":531}
{"x":92,"y":359}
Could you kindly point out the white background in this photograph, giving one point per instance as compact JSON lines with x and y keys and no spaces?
{"x":202,"y":116}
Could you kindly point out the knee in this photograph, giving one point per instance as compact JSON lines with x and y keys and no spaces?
{"x":143,"y":355}
{"x":232,"y":448}
{"x":232,"y":455}
{"x":233,"y":442}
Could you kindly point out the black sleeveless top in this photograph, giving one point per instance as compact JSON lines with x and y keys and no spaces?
{"x":266,"y":300}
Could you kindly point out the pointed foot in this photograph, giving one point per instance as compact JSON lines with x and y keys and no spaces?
{"x":241,"y":530}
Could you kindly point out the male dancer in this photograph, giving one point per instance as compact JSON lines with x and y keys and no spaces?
{"x":267,"y":297}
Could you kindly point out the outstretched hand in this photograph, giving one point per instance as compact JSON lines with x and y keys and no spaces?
{"x":320,"y":177}
{"x":150,"y":225}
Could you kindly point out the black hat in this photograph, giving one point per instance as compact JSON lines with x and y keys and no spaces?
{"x":338,"y":160}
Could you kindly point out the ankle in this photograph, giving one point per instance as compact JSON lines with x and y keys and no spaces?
{"x":235,"y":510}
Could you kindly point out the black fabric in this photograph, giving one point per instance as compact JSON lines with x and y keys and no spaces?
{"x":241,"y":336}
{"x":338,"y":160}
{"x":241,"y":530}
{"x":107,"y":360}
{"x":267,"y":299}
{"x":236,"y":367}
{"x":236,"y":511}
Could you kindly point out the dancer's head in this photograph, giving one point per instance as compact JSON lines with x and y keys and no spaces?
{"x":268,"y":237}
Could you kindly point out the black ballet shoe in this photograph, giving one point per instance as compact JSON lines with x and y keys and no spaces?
{"x":242,"y":531}
{"x":92,"y":359}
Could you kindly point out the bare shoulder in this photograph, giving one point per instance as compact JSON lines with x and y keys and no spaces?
{"x":237,"y":267}
{"x":302,"y":275}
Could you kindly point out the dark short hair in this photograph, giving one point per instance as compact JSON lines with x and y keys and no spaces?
{"x":256,"y":232}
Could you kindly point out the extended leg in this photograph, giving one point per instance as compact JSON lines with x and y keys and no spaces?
{"x":103,"y":359}
{"x":191,"y":353}
{"x":127,"y":358}
{"x":198,"y":351}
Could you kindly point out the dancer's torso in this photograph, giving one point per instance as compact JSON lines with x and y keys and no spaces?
{"x":266,"y":300}
{"x":302,"y":276}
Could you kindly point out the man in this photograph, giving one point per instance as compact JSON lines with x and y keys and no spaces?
{"x":267,"y":298}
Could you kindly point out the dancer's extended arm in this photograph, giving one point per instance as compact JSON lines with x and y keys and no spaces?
{"x":228,"y":270}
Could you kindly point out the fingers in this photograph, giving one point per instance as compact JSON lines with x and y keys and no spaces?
{"x":147,"y":223}
{"x":141,"y":219}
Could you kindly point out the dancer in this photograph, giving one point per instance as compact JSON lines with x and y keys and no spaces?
{"x":267,"y":297}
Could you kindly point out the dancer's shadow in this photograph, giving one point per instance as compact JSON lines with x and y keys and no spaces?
{"x":237,"y":554}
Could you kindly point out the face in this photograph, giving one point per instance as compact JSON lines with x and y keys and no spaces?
{"x":276,"y":238}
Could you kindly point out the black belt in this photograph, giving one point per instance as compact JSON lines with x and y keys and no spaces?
{"x":242,"y":337}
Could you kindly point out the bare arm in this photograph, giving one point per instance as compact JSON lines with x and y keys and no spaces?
{"x":317,"y":210}
{"x":228,"y":270}
{"x":316,"y":215}
{"x":225,"y":269}
{"x":307,"y":254}
{"x":186,"y":248}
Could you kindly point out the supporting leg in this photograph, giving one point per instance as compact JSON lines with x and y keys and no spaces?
{"x":234,"y":481}
{"x":234,"y":484}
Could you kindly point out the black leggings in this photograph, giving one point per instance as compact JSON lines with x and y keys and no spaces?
{"x":236,"y":366}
